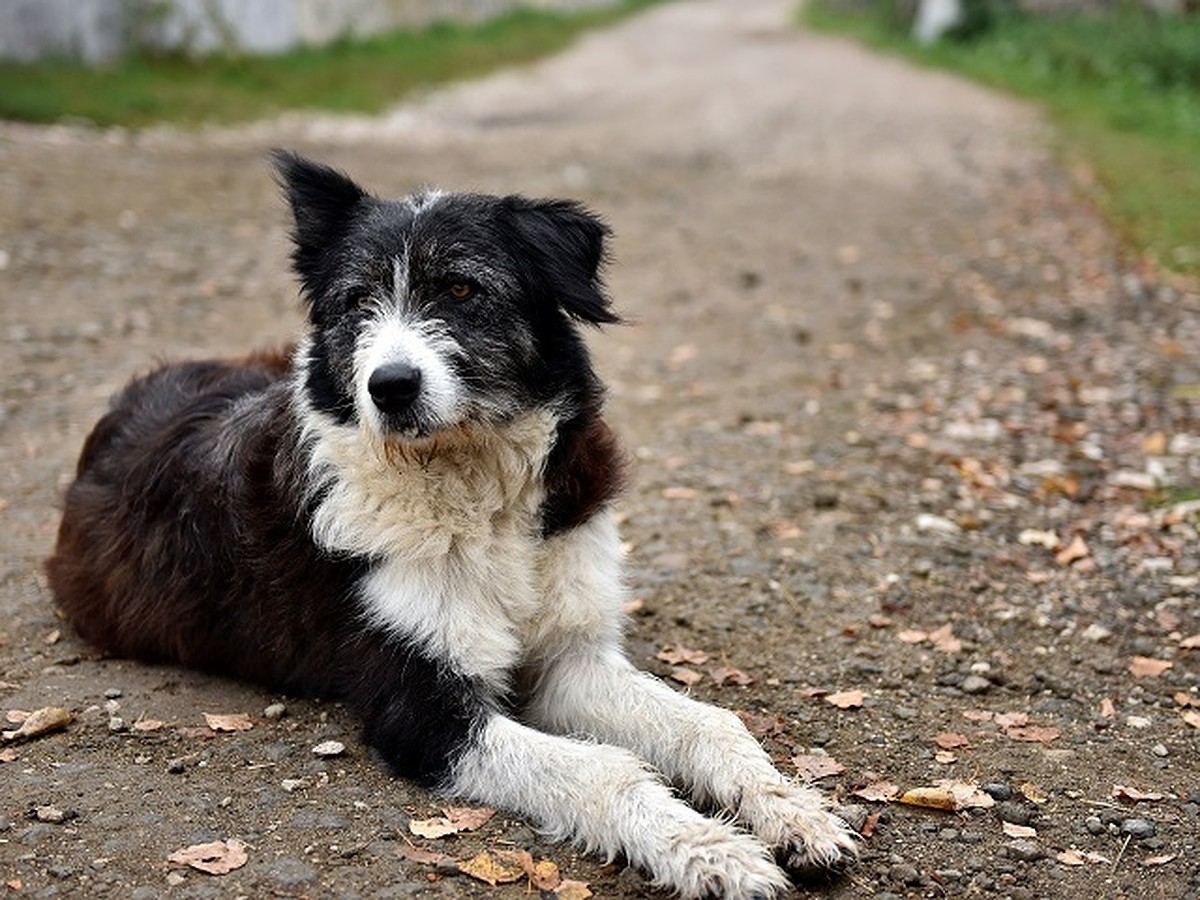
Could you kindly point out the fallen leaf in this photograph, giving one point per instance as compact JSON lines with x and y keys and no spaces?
{"x":727,"y":674}
{"x":814,"y":766}
{"x":1107,"y":709}
{"x":1147,"y":667}
{"x":425,"y":856}
{"x":498,"y":866}
{"x":1124,"y":792}
{"x":878,"y":792}
{"x":432,"y":828}
{"x":686,"y":677}
{"x":1070,"y":857}
{"x":677,"y":653}
{"x":1018,"y":831}
{"x":945,"y":757}
{"x":1073,"y":552}
{"x":52,"y":638}
{"x":948,"y":741}
{"x":1183,"y":698}
{"x":9,"y":754}
{"x":1004,"y":721}
{"x":870,"y":823}
{"x":228,"y":721}
{"x":215,"y":858}
{"x":762,"y":725}
{"x":1158,"y":860}
{"x":453,"y":820}
{"x":930,"y":798}
{"x":148,"y":725}
{"x":16,"y":716}
{"x":944,"y":641}
{"x":39,"y":722}
{"x":978,"y":715}
{"x":1191,"y":717}
{"x":1033,"y":537}
{"x":1190,"y":643}
{"x":572,"y":890}
{"x":912,"y":636}
{"x":327,"y":749}
{"x":879,"y":620}
{"x":846,"y":699}
{"x":1039,"y":734}
{"x":1033,"y":793}
{"x":544,"y":875}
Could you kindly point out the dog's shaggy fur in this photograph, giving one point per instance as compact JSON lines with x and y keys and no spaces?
{"x":412,"y":511}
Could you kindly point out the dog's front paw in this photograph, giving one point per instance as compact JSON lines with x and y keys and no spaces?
{"x":709,"y":859}
{"x":808,"y":839}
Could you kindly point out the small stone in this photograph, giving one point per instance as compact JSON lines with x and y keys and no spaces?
{"x":975,"y":684}
{"x":904,"y":873}
{"x":948,"y":834}
{"x":1024,"y":850}
{"x":329,"y":748}
{"x":1137,"y":828}
{"x":275,"y":711}
{"x":1014,"y":813}
{"x":112,"y":693}
{"x":1093,"y":825}
{"x":51,"y":814}
{"x":447,"y":867}
{"x":116,"y":724}
{"x":176,"y":766}
{"x":905,"y":712}
{"x":948,"y":875}
{"x":1160,"y":750}
{"x":295,"y":784}
{"x":853,"y":814}
{"x":998,"y":791}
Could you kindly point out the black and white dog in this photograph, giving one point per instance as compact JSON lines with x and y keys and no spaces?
{"x":412,"y":511}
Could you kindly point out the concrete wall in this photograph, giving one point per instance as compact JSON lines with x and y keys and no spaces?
{"x":99,"y":30}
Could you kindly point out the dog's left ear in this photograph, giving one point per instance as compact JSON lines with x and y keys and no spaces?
{"x":567,"y":243}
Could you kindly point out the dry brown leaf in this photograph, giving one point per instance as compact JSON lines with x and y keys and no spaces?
{"x":846,"y":699}
{"x":39,"y":722}
{"x":498,"y":866}
{"x":978,"y":715}
{"x":686,"y":677}
{"x":1107,"y":708}
{"x":454,"y":819}
{"x":1038,"y":734}
{"x":1190,"y":643}
{"x":727,"y":674}
{"x":1018,"y":831}
{"x":879,"y":620}
{"x":1033,"y":793}
{"x":949,"y":741}
{"x":945,"y":757}
{"x":944,"y":641}
{"x":1073,"y":552}
{"x":878,"y":792}
{"x":228,"y":721}
{"x":1004,"y":721}
{"x":1191,"y":717}
{"x":572,"y":890}
{"x":1070,"y":857}
{"x":1124,"y":792}
{"x":16,"y":716}
{"x":912,"y":636}
{"x":1159,"y":860}
{"x":148,"y":725}
{"x":762,"y":725}
{"x":544,"y":875}
{"x":1183,"y":698}
{"x":9,"y":754}
{"x":930,"y":798}
{"x":812,"y":767}
{"x":677,"y":653}
{"x":215,"y":857}
{"x":425,"y":856}
{"x":1148,"y":667}
{"x":432,"y":828}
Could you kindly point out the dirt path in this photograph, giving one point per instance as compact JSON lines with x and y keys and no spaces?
{"x":882,"y":357}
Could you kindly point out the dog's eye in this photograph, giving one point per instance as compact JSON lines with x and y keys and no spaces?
{"x":360,"y":300}
{"x":461,"y":290}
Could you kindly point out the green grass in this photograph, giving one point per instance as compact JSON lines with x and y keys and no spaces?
{"x":1123,"y":90}
{"x":363,"y":75}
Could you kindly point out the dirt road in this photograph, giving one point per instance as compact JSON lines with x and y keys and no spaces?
{"x":905,"y":422}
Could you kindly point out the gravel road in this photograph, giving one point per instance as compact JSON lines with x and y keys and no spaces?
{"x":917,"y":444}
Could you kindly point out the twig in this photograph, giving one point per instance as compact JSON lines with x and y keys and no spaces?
{"x":1121,"y":852}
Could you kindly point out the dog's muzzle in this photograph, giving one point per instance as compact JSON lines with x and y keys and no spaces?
{"x":394,"y":387}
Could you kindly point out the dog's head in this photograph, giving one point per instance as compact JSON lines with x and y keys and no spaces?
{"x":440,"y":309}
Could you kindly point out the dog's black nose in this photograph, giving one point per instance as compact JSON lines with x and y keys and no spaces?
{"x":394,"y":387}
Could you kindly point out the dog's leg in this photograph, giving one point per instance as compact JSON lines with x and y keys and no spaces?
{"x":604,"y":798}
{"x":585,"y":686}
{"x":446,"y":732}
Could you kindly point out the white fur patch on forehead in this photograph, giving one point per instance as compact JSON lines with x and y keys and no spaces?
{"x":423,"y":200}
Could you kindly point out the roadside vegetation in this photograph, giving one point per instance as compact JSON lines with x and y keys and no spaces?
{"x":1123,"y":90}
{"x":352,"y":75}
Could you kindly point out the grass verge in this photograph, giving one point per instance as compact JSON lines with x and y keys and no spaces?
{"x":360,"y":75}
{"x":1123,"y":91}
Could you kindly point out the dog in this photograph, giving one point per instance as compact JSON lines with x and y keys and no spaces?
{"x":412,"y":510}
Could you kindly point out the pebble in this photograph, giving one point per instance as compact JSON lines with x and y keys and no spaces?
{"x":998,"y":791}
{"x":51,"y":814}
{"x":1024,"y":850}
{"x":1137,"y":828}
{"x":1094,"y":825}
{"x":1014,"y":813}
{"x":1160,"y":750}
{"x":275,"y":711}
{"x":904,"y":873}
{"x":975,"y":684}
{"x":112,"y":693}
{"x":176,"y":766}
{"x":116,"y":724}
{"x":329,"y":748}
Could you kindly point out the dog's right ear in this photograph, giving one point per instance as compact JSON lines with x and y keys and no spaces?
{"x":323,"y":202}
